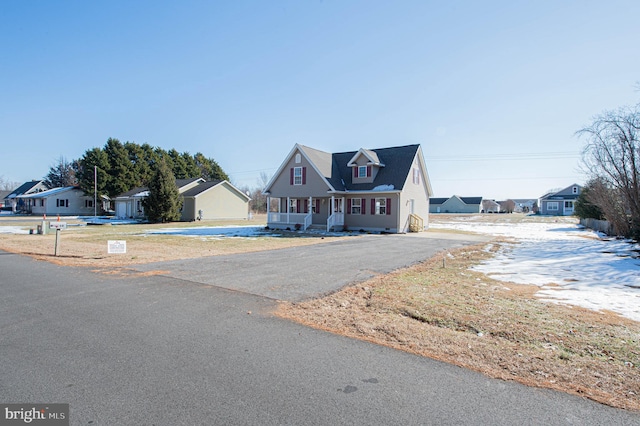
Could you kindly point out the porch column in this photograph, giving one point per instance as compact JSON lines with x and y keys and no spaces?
{"x":333,"y":200}
{"x":288,"y":209}
{"x":311,"y":206}
{"x":268,"y":205}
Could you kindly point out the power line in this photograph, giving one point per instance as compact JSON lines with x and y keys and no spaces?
{"x":503,"y":157}
{"x":476,"y":179}
{"x":252,"y":171}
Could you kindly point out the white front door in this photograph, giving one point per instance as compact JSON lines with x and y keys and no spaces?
{"x":338,"y":211}
{"x":568,"y":208}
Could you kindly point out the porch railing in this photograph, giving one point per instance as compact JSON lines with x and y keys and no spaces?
{"x":303,"y":219}
{"x":307,"y":221}
{"x":416,"y":223}
{"x":336,"y":219}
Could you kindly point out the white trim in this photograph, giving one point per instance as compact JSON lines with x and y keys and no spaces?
{"x":286,"y":161}
{"x":366,"y":153}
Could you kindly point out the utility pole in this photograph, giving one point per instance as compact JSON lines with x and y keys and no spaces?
{"x":95,"y":190}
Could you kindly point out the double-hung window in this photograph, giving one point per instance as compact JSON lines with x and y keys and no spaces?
{"x":416,"y":176}
{"x":381,"y":206}
{"x":297,"y":175}
{"x":362,"y":171}
{"x":356,"y":205}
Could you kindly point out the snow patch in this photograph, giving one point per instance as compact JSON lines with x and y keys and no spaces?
{"x":569,"y":263}
{"x":384,"y":188}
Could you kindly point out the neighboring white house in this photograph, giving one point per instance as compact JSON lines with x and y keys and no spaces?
{"x":524,"y":205}
{"x":14,"y":198}
{"x":490,"y":206}
{"x":67,"y":201}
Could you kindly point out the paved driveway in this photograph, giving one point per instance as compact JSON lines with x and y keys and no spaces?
{"x":299,"y":273}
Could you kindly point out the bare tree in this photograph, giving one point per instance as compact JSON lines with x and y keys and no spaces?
{"x":6,"y":185}
{"x":61,"y":174}
{"x":611,"y":202}
{"x":611,"y":157}
{"x":259,"y":200}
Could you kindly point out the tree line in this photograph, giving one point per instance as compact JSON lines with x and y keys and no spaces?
{"x":611,"y":160}
{"x":121,"y":167}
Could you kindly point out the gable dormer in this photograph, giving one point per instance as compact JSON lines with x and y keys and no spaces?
{"x":364,"y":165}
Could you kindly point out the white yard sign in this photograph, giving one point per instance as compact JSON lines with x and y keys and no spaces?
{"x":116,"y":247}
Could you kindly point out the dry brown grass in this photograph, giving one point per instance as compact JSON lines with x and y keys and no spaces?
{"x":443,"y":310}
{"x":82,"y":245}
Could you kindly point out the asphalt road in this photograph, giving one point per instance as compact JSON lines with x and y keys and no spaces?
{"x":161,"y":350}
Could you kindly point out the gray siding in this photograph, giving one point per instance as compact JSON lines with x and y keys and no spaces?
{"x":369,"y":221}
{"x":314,"y":185}
{"x":455,"y":205}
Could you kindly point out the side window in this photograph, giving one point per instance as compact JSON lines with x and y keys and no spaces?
{"x":297,"y":175}
{"x":356,"y":205}
{"x":381,"y":206}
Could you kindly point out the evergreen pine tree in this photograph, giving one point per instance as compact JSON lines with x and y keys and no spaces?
{"x":163,"y":203}
{"x":86,"y":176}
{"x":119,"y":168}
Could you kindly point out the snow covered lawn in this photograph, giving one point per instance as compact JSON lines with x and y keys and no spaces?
{"x":570,"y":264}
{"x":213,"y":231}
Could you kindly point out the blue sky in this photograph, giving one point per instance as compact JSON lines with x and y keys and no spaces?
{"x":494,"y":91}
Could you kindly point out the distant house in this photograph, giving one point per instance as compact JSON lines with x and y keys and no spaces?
{"x":3,"y":197}
{"x":201,"y":200}
{"x":14,"y":199}
{"x":214,"y":200}
{"x":524,"y":205}
{"x":66,"y":201}
{"x":129,"y":204}
{"x":490,"y":206}
{"x":455,"y":204}
{"x":376,"y":190}
{"x":560,"y":203}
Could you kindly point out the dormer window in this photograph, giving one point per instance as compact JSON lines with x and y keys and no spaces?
{"x":362,"y":171}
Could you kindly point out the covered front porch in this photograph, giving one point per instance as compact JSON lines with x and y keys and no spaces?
{"x":302,"y":213}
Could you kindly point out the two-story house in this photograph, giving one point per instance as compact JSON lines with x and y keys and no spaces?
{"x":376,"y":190}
